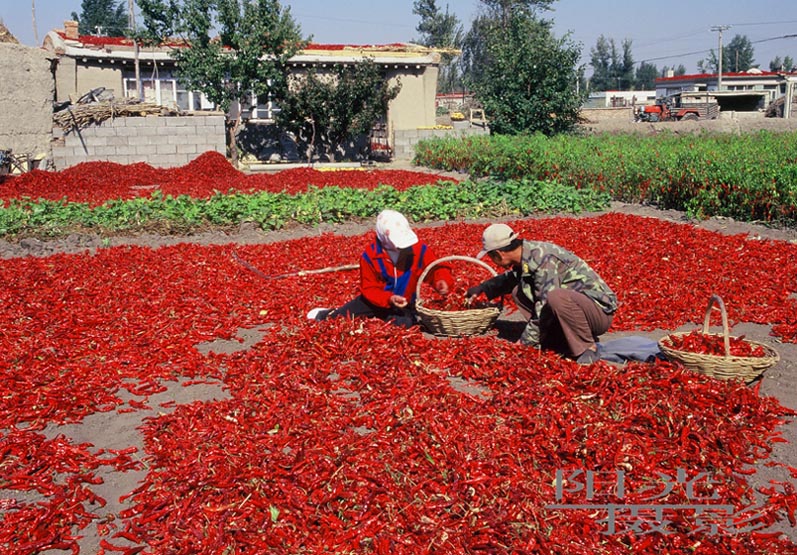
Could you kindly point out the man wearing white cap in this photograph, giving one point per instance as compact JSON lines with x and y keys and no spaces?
{"x":567,"y":304}
{"x":389,"y":271}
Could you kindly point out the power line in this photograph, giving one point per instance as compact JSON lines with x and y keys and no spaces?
{"x":664,"y":40}
{"x":349,"y":20}
{"x":774,"y":38}
{"x":688,"y":34}
{"x":763,"y":23}
{"x":696,"y":52}
{"x":682,"y":55}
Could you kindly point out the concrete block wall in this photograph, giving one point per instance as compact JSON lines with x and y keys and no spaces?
{"x":404,"y":140}
{"x":26,"y":100}
{"x":163,"y":142}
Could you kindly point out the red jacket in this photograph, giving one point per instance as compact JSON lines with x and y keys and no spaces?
{"x":379,"y":278}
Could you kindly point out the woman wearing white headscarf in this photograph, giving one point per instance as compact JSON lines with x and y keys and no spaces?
{"x":389,"y":271}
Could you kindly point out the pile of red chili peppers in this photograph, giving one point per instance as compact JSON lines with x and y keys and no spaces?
{"x":356,"y":436}
{"x":457,"y":300}
{"x":714,"y":344}
{"x":210,"y":173}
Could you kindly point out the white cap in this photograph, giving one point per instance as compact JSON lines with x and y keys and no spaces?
{"x":393,"y":230}
{"x":496,"y":236}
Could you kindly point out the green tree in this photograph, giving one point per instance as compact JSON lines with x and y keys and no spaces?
{"x":503,"y":10}
{"x":102,"y":17}
{"x":601,"y":60}
{"x":325,"y":111}
{"x":738,"y":55}
{"x":646,"y":75}
{"x":443,"y":31}
{"x":528,"y":78}
{"x":787,"y":64}
{"x":610,"y":70}
{"x":475,"y":56}
{"x":256,"y":38}
{"x":625,"y":70}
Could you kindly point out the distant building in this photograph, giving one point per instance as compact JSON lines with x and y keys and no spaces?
{"x":752,"y":90}
{"x":619,"y":99}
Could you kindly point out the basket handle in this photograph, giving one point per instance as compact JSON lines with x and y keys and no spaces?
{"x":721,"y":305}
{"x":447,"y":259}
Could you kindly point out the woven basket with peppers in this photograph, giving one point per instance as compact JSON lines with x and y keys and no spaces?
{"x":719,"y":355}
{"x":447,"y":318}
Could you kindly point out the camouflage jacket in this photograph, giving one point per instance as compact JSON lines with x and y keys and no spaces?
{"x":544,"y":267}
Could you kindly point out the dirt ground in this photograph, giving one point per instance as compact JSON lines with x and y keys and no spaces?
{"x":118,"y":431}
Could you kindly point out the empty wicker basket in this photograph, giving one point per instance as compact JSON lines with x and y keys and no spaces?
{"x":455,"y":323}
{"x":721,"y":367}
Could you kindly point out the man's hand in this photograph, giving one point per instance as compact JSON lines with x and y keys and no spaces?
{"x":441,"y":287}
{"x":474,"y":291}
{"x":398,"y":301}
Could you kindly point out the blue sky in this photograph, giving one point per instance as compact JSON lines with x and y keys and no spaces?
{"x":665,"y":33}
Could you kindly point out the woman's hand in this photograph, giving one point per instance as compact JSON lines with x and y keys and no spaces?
{"x":398,"y":301}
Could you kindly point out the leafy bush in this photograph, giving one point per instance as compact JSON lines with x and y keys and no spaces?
{"x":750,"y":177}
{"x":184,"y":214}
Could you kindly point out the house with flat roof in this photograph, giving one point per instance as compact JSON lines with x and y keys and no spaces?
{"x":749,"y":91}
{"x":83,"y":63}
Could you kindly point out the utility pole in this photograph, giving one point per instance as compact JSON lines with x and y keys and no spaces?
{"x":35,"y":30}
{"x":719,"y":29}
{"x":132,"y":23}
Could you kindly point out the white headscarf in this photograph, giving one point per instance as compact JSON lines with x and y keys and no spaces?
{"x":394,"y":232}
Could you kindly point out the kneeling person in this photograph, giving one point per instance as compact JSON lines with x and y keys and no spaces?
{"x":390,"y":269}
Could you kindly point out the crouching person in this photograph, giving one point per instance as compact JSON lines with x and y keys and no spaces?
{"x":567,"y":304}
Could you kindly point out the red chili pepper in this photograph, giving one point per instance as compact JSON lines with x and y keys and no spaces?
{"x":354,"y":435}
{"x":712,"y":344}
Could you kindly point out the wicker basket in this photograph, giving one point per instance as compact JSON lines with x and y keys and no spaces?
{"x":721,"y":367}
{"x":457,"y":323}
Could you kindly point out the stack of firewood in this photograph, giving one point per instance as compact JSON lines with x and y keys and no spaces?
{"x":775,"y":108}
{"x":78,"y":116}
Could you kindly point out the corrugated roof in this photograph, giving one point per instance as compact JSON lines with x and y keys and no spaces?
{"x":108,"y":43}
{"x":122,"y":48}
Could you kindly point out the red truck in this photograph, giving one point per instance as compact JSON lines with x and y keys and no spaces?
{"x":678,"y":107}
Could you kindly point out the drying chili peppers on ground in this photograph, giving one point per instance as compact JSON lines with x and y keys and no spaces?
{"x":210,"y":173}
{"x":355,"y":436}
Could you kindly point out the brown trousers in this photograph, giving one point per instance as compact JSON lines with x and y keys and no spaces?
{"x":570,"y":322}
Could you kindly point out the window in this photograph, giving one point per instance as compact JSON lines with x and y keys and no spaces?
{"x":260,"y":108}
{"x":169,"y":92}
{"x":264,"y":109}
{"x":151,"y":91}
{"x":191,"y":101}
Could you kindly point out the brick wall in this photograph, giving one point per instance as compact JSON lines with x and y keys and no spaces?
{"x":404,"y":141}
{"x":159,"y":141}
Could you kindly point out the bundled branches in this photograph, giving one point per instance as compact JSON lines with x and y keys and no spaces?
{"x":80,"y":116}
